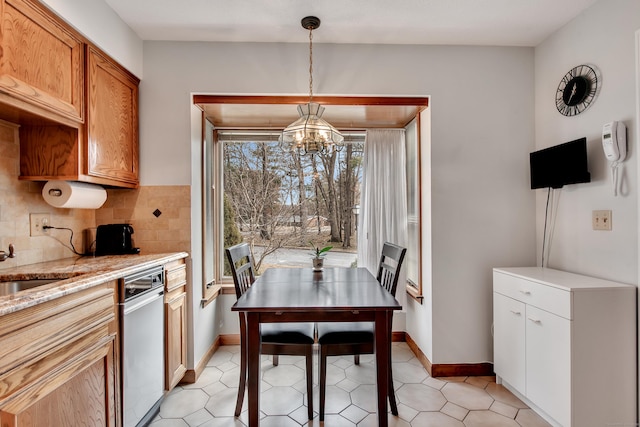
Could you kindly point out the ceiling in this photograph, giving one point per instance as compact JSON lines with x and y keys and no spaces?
{"x":443,"y":22}
{"x":467,"y":22}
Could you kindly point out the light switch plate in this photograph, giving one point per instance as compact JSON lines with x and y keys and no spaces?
{"x":601,"y":220}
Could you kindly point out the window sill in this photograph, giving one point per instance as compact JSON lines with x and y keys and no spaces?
{"x":212,"y":294}
{"x":414,"y":293}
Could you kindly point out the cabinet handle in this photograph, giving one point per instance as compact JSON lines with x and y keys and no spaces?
{"x":517,"y":313}
{"x":536,"y":321}
{"x":525,"y":292}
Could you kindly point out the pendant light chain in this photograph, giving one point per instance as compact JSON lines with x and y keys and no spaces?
{"x":311,"y":134}
{"x":310,"y":64}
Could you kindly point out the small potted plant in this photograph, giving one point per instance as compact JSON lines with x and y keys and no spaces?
{"x":318,"y":256}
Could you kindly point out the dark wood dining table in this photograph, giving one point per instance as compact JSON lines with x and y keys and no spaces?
{"x":304,"y":295}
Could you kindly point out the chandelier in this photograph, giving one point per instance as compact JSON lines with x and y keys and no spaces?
{"x":310,"y":133}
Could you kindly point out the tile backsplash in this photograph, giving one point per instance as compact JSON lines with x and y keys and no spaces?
{"x":18,"y":199}
{"x":159,"y":215}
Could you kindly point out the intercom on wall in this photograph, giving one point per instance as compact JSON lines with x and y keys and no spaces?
{"x":614,"y":144}
{"x":614,"y":141}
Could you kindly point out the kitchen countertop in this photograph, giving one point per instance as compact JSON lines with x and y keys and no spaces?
{"x":76,"y":274}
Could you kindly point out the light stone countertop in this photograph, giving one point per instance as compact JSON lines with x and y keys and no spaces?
{"x":77,"y":274}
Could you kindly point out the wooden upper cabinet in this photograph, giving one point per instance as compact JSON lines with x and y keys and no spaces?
{"x":103,"y":149}
{"x":41,"y":62}
{"x":112,"y":120}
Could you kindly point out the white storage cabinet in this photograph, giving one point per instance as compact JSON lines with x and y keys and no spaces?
{"x":566,"y":344}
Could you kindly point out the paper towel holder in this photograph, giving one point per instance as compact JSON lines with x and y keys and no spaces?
{"x":74,"y":194}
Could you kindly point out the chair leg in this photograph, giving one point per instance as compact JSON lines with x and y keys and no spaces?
{"x":356,"y":359}
{"x":392,"y":394}
{"x":275,"y":360}
{"x":243,"y":368}
{"x":322,"y":380}
{"x":309,"y":357}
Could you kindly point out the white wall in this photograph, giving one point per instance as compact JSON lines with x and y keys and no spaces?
{"x":483,"y":211}
{"x":481,"y":207}
{"x":483,"y":128}
{"x":100,"y":24}
{"x":589,"y":39}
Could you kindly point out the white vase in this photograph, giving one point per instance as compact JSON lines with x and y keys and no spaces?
{"x":318,"y":263}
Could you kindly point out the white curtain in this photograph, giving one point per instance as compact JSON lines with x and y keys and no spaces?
{"x":383,"y":199}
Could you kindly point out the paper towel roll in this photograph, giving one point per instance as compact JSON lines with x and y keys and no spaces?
{"x":71,"y":194}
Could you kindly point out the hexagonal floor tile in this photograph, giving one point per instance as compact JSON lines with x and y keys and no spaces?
{"x":488,"y":418}
{"x":223,"y":404}
{"x":420,"y":397}
{"x":180,"y":403}
{"x":435,"y":419}
{"x":283,"y":375}
{"x":336,"y":400}
{"x":407,"y":373}
{"x":280,"y":400}
{"x":364,"y":373}
{"x":467,"y":396}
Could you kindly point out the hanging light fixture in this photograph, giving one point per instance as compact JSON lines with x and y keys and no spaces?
{"x":310,"y":133}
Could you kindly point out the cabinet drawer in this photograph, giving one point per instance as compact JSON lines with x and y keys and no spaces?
{"x":175,"y":276}
{"x":545,"y":297}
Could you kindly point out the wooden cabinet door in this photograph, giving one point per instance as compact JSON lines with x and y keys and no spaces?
{"x":176,"y":340}
{"x":112,"y":120}
{"x":81,"y":393}
{"x":41,"y":61}
{"x":549,"y":363}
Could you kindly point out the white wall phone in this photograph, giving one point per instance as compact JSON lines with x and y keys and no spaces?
{"x":614,"y":144}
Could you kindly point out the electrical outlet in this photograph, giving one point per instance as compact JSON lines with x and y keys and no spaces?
{"x":37,"y":222}
{"x":601,"y":220}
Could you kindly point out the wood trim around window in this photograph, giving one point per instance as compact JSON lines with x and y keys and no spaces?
{"x":421,"y":103}
{"x":303,"y":99}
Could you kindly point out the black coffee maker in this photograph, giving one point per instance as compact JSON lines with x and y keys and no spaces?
{"x":115,"y":239}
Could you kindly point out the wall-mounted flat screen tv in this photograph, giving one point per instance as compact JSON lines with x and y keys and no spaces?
{"x":560,"y":165}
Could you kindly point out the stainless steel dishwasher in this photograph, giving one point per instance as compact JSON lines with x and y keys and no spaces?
{"x":142,"y":345}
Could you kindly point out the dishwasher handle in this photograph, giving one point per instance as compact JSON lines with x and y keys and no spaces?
{"x":140,"y":302}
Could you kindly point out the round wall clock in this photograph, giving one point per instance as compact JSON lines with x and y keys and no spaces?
{"x":577,"y":90}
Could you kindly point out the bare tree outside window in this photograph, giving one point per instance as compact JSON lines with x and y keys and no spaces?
{"x":282,"y":200}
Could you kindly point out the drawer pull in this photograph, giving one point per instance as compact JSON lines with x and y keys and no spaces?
{"x":525,"y":292}
{"x":517,"y":313}
{"x":536,"y":321}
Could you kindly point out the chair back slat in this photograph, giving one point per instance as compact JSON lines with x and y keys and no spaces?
{"x":389,"y":266}
{"x":241,"y":262}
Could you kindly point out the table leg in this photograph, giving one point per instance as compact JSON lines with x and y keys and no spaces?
{"x":382,"y":365}
{"x":253,"y":371}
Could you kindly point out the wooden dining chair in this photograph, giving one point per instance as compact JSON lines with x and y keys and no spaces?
{"x":293,"y":339}
{"x":345,"y":338}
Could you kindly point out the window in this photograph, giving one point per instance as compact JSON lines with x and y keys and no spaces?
{"x":281,"y":202}
{"x":413,"y":257}
{"x":227,"y":112}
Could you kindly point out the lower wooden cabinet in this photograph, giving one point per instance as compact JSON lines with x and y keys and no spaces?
{"x":175,"y":323}
{"x":58,"y":363}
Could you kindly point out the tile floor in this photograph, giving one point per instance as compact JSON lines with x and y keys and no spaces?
{"x":351,"y":397}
